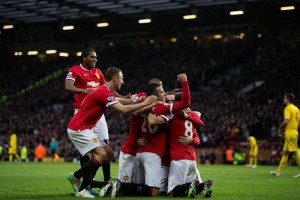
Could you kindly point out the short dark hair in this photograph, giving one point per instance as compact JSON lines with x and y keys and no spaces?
{"x":290,"y":97}
{"x":155,"y":81}
{"x":151,"y":89}
{"x":178,"y":96}
{"x":111,"y":72}
{"x":86,"y":52}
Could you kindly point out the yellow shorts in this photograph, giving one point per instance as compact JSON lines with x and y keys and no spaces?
{"x":254,"y":151}
{"x":290,"y":142}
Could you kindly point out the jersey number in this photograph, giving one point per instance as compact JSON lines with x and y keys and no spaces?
{"x":188,"y":128}
{"x":152,"y":129}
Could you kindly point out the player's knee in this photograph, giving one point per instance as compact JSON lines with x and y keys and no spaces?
{"x":153,"y":191}
{"x":109,"y":153}
{"x":100,"y":154}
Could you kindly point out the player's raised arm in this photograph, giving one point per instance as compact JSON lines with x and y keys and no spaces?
{"x":186,"y":96}
{"x":131,"y":108}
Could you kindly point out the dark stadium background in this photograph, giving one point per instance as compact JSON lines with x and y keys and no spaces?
{"x":222,"y":54}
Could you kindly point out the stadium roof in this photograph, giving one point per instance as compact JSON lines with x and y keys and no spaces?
{"x":35,"y":11}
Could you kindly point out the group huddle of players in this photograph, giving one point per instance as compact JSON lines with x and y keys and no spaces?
{"x":158,"y":156}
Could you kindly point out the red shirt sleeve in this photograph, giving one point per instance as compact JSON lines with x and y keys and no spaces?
{"x":167,"y":108}
{"x":196,"y":139}
{"x":185,"y":99}
{"x":193,"y":117}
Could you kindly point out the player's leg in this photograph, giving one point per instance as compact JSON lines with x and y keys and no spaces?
{"x":86,"y":141}
{"x":250,"y":157}
{"x":152,"y":166}
{"x":17,"y":156}
{"x":101,"y":130}
{"x":177,"y":178}
{"x":254,"y":155}
{"x":290,"y":145}
{"x":101,"y":154}
{"x":283,"y":160}
{"x":126,"y":173}
{"x":165,"y":171}
{"x":11,"y":156}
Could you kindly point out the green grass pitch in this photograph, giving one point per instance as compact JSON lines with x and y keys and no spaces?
{"x":48,"y":181}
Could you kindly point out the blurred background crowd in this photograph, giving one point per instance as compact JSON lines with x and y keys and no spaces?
{"x":237,"y":83}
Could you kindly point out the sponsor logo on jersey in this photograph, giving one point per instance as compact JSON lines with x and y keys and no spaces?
{"x":69,"y":75}
{"x":92,"y":84}
{"x":110,"y":98}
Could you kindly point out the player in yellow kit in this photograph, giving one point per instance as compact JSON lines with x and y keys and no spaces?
{"x":289,"y":129}
{"x":253,"y":152}
{"x":13,"y":147}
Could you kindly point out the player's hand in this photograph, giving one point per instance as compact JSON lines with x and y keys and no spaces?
{"x":88,"y":90}
{"x":128,"y":96}
{"x":181,"y":77}
{"x":186,"y":139}
{"x":280,"y":132}
{"x":198,"y":113}
{"x":142,"y":141}
{"x":150,"y":99}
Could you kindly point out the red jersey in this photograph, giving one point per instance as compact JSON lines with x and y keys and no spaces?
{"x":92,"y":108}
{"x":84,"y":78}
{"x":130,"y":145}
{"x":169,"y":108}
{"x":183,"y":127}
{"x":155,"y":136}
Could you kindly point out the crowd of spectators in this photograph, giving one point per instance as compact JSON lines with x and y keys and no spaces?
{"x":217,"y":71}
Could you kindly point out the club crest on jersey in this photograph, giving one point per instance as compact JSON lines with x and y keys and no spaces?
{"x":110,"y":98}
{"x":97,"y":75}
{"x":69,"y":75}
{"x":95,"y":140}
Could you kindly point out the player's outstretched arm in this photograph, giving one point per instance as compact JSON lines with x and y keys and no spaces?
{"x":124,"y":109}
{"x":154,"y":120}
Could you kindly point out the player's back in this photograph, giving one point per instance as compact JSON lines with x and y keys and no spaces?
{"x":291,"y":112}
{"x":177,"y":128}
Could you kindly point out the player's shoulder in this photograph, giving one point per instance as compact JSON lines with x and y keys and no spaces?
{"x":76,"y":67}
{"x":162,"y":105}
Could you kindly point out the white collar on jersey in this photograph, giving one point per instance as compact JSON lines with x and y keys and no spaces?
{"x":83,"y":68}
